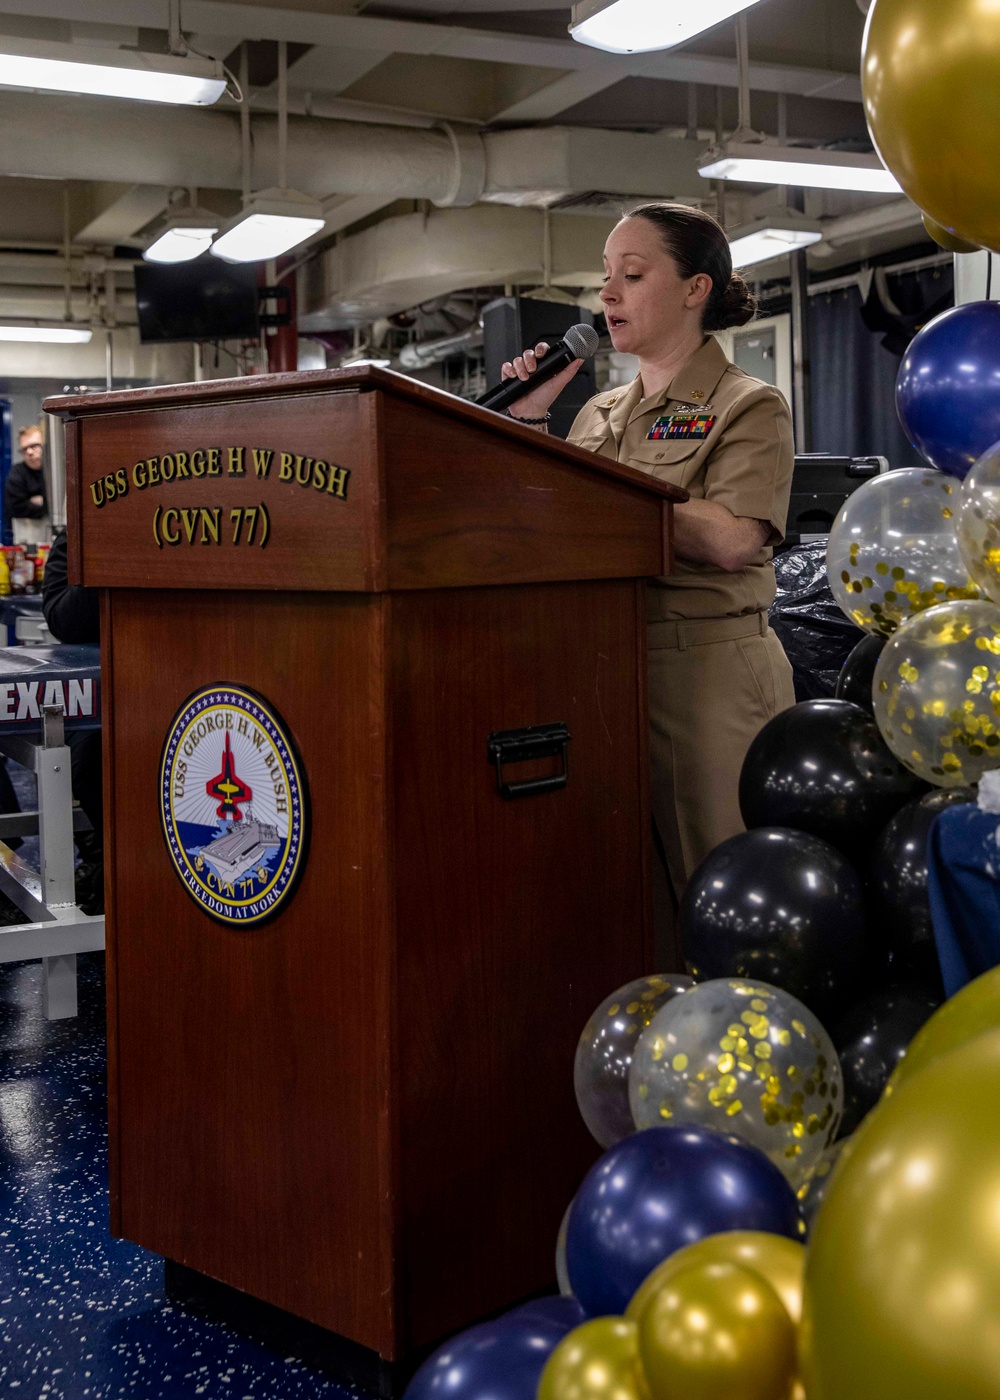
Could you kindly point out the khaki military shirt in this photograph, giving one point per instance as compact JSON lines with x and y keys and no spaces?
{"x":744,"y":462}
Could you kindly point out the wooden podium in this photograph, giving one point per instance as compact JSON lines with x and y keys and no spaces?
{"x":358,"y":1107}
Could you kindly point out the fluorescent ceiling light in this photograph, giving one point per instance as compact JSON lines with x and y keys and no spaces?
{"x":773,"y":235}
{"x":637,"y":26}
{"x":55,"y":335}
{"x":144,"y":77}
{"x":762,"y":164}
{"x":185,"y":235}
{"x":271,"y":222}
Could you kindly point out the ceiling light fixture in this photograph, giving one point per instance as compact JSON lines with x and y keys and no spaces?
{"x":759,"y":163}
{"x":773,"y":235}
{"x":51,"y":335}
{"x":184,"y":235}
{"x":273,"y":220}
{"x":638,"y":26}
{"x":185,"y":79}
{"x":363,"y":360}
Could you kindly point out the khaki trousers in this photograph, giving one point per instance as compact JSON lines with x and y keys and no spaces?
{"x":713,"y":685}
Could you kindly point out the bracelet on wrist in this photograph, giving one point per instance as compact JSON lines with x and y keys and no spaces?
{"x":528,"y":422}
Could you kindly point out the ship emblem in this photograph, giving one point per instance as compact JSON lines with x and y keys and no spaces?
{"x":233,"y":804}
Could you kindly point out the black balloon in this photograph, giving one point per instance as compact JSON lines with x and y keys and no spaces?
{"x":855,"y":680}
{"x":872,"y":1039}
{"x":822,"y":767}
{"x":780,"y":906}
{"x":898,"y":885}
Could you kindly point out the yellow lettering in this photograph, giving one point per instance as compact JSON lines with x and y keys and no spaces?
{"x":189,"y":519}
{"x":168,"y":527}
{"x":320,"y":470}
{"x":139,"y":475}
{"x":303,"y":470}
{"x":121,"y":477}
{"x":214,"y":465}
{"x":97,"y":491}
{"x":285,"y":470}
{"x":154,"y":471}
{"x":211,"y":522}
{"x":181,"y":459}
{"x":236,"y":461}
{"x":167,"y":468}
{"x":338,"y":482}
{"x":262,"y":460}
{"x":197,"y":468}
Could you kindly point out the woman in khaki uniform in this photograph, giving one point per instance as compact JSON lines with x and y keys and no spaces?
{"x":717,"y":673}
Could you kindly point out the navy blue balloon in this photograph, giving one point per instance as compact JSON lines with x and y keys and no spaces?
{"x":564,"y":1312}
{"x":659,"y":1190}
{"x":499,"y":1360}
{"x":948,"y":390}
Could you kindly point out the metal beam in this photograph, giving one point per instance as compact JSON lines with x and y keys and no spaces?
{"x":449,"y":41}
{"x":123,"y":217}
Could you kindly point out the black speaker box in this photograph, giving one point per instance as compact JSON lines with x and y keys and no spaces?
{"x":514,"y":324}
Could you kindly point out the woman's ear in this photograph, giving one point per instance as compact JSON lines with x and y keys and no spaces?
{"x":699,"y":290}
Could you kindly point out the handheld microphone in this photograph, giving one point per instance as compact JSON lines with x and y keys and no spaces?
{"x":579,"y":343}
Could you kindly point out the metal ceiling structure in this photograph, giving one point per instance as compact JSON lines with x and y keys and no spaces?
{"x":407,"y":106}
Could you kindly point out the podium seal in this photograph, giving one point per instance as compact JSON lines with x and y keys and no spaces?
{"x":233,"y":803}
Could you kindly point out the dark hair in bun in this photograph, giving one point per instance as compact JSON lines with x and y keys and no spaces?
{"x":698,"y":243}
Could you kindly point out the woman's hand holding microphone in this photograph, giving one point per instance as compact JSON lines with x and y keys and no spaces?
{"x":536,"y":405}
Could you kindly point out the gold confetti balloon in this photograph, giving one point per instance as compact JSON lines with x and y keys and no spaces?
{"x":893,"y":550}
{"x":717,"y":1331}
{"x":937,"y":693}
{"x":604,"y":1053}
{"x":903,"y":1266}
{"x":747,"y":1058}
{"x":820,"y":1180}
{"x":979,"y":523}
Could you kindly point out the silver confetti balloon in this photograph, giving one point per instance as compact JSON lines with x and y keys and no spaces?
{"x":603,"y":1056}
{"x":747,"y":1058}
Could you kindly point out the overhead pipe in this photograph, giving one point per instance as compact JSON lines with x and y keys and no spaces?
{"x":424,"y":353}
{"x":89,"y":138}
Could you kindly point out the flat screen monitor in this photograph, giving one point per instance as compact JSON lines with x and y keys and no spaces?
{"x":205,"y":299}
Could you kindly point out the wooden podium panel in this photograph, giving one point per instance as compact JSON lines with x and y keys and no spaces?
{"x":362,"y":1111}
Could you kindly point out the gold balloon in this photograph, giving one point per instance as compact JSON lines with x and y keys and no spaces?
{"x":937,"y":693}
{"x":971,"y":1012}
{"x":944,"y":238}
{"x":596,"y":1361}
{"x":903,"y":1269}
{"x":930,"y":72}
{"x":717,"y":1332}
{"x":782,"y":1262}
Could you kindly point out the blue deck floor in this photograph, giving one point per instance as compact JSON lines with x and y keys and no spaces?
{"x":81,"y":1314}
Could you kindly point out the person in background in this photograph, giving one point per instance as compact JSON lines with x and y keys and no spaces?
{"x":73,"y":615}
{"x":25,"y":499}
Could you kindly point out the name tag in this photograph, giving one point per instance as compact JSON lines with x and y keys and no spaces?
{"x":682,"y":425}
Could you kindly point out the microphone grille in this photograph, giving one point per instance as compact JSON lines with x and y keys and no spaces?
{"x":582,"y":340}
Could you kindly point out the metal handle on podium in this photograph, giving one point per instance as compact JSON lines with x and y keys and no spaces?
{"x":522,"y":745}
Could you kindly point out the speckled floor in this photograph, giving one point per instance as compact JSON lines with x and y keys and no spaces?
{"x":81,"y":1314}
